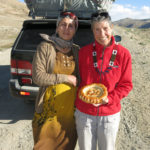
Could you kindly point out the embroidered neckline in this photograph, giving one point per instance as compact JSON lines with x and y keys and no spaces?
{"x":95,"y":63}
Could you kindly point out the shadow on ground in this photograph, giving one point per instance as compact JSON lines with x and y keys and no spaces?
{"x":12,"y":109}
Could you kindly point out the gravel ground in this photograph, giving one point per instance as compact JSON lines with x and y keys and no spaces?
{"x":16,"y":116}
{"x":134,"y":132}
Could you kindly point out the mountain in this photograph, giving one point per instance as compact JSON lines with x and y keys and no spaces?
{"x":133,"y":23}
{"x":12,"y":15}
{"x":13,"y":7}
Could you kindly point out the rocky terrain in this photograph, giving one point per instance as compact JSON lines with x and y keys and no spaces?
{"x":12,"y":14}
{"x":134,"y":133}
{"x":15,"y":116}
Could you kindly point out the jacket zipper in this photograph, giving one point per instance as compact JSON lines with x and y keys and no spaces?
{"x":98,"y":110}
{"x":102,"y":64}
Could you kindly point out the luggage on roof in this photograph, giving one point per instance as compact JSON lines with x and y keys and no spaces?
{"x":52,"y":8}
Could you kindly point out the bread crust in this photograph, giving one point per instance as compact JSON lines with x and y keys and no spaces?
{"x":93,"y":93}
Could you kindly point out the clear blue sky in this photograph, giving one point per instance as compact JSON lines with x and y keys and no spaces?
{"x":136,"y":9}
{"x":136,"y":3}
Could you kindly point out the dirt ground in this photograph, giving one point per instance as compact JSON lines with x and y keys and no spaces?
{"x":16,"y":116}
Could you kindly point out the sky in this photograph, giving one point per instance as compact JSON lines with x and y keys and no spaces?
{"x":135,"y":9}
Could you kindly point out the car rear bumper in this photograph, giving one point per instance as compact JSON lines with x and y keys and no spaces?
{"x":15,"y":90}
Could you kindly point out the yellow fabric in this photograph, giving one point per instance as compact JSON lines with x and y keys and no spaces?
{"x":64,"y":64}
{"x":51,"y":143}
{"x":58,"y":112}
{"x":50,"y":125}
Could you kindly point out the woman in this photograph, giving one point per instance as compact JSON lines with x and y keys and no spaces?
{"x":55,"y":70}
{"x":108,"y":63}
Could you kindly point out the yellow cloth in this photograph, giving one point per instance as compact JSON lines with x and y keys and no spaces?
{"x":64,"y":63}
{"x":58,"y":110}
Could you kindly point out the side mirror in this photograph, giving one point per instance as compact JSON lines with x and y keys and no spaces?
{"x":117,"y":38}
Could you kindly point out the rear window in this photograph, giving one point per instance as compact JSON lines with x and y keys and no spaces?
{"x":83,"y":36}
{"x":30,"y":37}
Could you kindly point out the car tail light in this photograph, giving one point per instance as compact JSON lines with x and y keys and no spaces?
{"x":13,"y":66}
{"x":21,"y":67}
{"x":26,"y":81}
{"x":24,"y":93}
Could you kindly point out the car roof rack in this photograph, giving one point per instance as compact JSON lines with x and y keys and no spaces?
{"x":52,"y":8}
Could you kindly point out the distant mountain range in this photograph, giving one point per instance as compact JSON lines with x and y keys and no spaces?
{"x":133,"y":23}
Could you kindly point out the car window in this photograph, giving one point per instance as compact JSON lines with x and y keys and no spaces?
{"x":83,"y":36}
{"x":30,"y":37}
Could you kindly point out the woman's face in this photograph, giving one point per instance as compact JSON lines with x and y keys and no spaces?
{"x":66,"y":29}
{"x":102,"y":32}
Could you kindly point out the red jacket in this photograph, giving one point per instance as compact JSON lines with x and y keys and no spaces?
{"x":117,"y":78}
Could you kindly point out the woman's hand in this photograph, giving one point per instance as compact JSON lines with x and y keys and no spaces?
{"x":105,"y":100}
{"x":72,"y":80}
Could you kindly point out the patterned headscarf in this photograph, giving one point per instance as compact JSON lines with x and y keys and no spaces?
{"x":66,"y":14}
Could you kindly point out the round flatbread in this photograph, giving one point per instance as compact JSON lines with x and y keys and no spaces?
{"x":93,"y":93}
